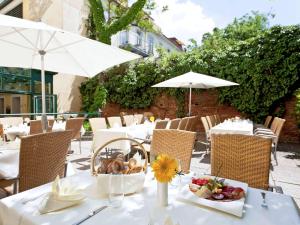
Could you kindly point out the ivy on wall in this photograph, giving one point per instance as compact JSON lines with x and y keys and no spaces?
{"x":266,"y":64}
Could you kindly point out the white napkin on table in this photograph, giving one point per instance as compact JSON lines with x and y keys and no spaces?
{"x":63,"y":195}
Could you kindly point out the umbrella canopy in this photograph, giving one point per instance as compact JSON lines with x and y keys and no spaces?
{"x":194,"y":80}
{"x":36,"y":45}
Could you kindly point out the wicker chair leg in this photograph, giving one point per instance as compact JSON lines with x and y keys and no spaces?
{"x":274,"y":150}
{"x":15,"y":187}
{"x":80,"y":144}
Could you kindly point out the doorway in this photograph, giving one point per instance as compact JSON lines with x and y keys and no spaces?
{"x":16,"y":105}
{"x":2,"y":105}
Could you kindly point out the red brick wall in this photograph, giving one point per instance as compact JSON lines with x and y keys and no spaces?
{"x":206,"y":103}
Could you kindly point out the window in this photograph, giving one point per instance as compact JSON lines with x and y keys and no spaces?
{"x":123,"y":38}
{"x":139,"y":39}
{"x":150,"y":44}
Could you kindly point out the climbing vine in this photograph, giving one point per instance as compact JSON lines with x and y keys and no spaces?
{"x":266,"y":64}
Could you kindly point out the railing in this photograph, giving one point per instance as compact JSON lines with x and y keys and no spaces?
{"x":67,"y":114}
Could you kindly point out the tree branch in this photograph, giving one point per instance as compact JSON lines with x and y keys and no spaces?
{"x":127,"y":18}
{"x":98,"y":14}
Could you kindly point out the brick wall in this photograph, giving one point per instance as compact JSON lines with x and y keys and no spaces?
{"x":206,"y":103}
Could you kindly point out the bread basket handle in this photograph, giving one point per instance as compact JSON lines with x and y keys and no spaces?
{"x":93,"y":160}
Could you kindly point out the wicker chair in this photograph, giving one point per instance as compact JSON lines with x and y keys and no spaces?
{"x":209,"y":122}
{"x":183,"y":123}
{"x":268,"y":121}
{"x":1,"y":131}
{"x":207,"y":133}
{"x":128,"y":120}
{"x":174,"y":123}
{"x":75,"y":125}
{"x":162,"y":124}
{"x":241,"y":157}
{"x":97,"y":123}
{"x":176,"y":143}
{"x":270,"y":130}
{"x":191,"y":124}
{"x":217,"y":119}
{"x":36,"y":127}
{"x":274,"y":136}
{"x":139,"y":118}
{"x":42,"y":158}
{"x":114,"y":121}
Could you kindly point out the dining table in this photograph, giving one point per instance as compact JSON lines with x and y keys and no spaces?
{"x":9,"y":159}
{"x":13,"y":132}
{"x":142,"y":209}
{"x":233,"y":126}
{"x":135,"y":131}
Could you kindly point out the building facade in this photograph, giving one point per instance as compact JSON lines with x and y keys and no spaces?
{"x":71,"y":15}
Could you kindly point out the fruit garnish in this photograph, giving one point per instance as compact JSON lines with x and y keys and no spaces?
{"x":218,"y":196}
{"x":215,"y":189}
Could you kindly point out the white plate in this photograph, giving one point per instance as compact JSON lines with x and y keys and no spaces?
{"x":231,"y":207}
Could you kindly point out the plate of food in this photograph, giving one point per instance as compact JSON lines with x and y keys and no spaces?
{"x":222,"y":194}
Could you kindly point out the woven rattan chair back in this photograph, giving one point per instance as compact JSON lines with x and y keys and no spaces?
{"x":274,"y":124}
{"x":183,"y":123}
{"x":279,"y":127}
{"x":205,"y":126}
{"x":1,"y":130}
{"x":139,"y":118}
{"x":114,"y":121}
{"x":268,"y":121}
{"x":42,"y":158}
{"x":36,"y":127}
{"x":174,"y":123}
{"x":217,"y":119}
{"x":241,"y":157}
{"x":209,"y":122}
{"x":176,"y":143}
{"x":75,"y":125}
{"x":128,"y":120}
{"x":213,"y":120}
{"x":97,"y":123}
{"x":191,"y":124}
{"x":162,"y":124}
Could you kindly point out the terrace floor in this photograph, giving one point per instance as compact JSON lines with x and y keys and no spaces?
{"x":285,"y":176}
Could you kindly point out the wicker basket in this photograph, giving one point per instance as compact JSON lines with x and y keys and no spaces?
{"x":133,"y":182}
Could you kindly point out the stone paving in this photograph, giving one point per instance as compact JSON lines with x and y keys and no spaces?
{"x":285,"y":176}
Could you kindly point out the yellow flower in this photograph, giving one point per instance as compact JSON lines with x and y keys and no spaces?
{"x":164,"y":168}
{"x":152,"y":118}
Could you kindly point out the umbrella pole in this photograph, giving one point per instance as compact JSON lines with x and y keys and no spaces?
{"x":44,"y":116}
{"x":190,"y":100}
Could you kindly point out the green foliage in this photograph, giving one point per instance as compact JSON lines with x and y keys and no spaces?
{"x":297,"y":108}
{"x":119,"y":18}
{"x":93,"y":95}
{"x":264,"y":61}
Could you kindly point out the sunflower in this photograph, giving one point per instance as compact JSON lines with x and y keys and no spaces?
{"x":164,"y":168}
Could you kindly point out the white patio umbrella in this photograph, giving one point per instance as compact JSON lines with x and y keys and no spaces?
{"x":28,"y":44}
{"x":194,"y":80}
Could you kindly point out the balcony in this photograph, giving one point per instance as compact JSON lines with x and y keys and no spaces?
{"x":135,"y":42}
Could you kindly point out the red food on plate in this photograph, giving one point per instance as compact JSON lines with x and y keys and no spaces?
{"x":215,"y":189}
{"x":199,"y":181}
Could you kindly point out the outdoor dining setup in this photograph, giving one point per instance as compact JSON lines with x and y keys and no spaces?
{"x":142,"y":168}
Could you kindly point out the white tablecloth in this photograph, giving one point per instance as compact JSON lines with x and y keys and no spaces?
{"x":9,"y":159}
{"x":140,"y":131}
{"x":233,"y":127}
{"x":14,"y":131}
{"x":137,"y":209}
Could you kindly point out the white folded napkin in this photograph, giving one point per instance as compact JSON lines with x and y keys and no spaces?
{"x":63,"y":195}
